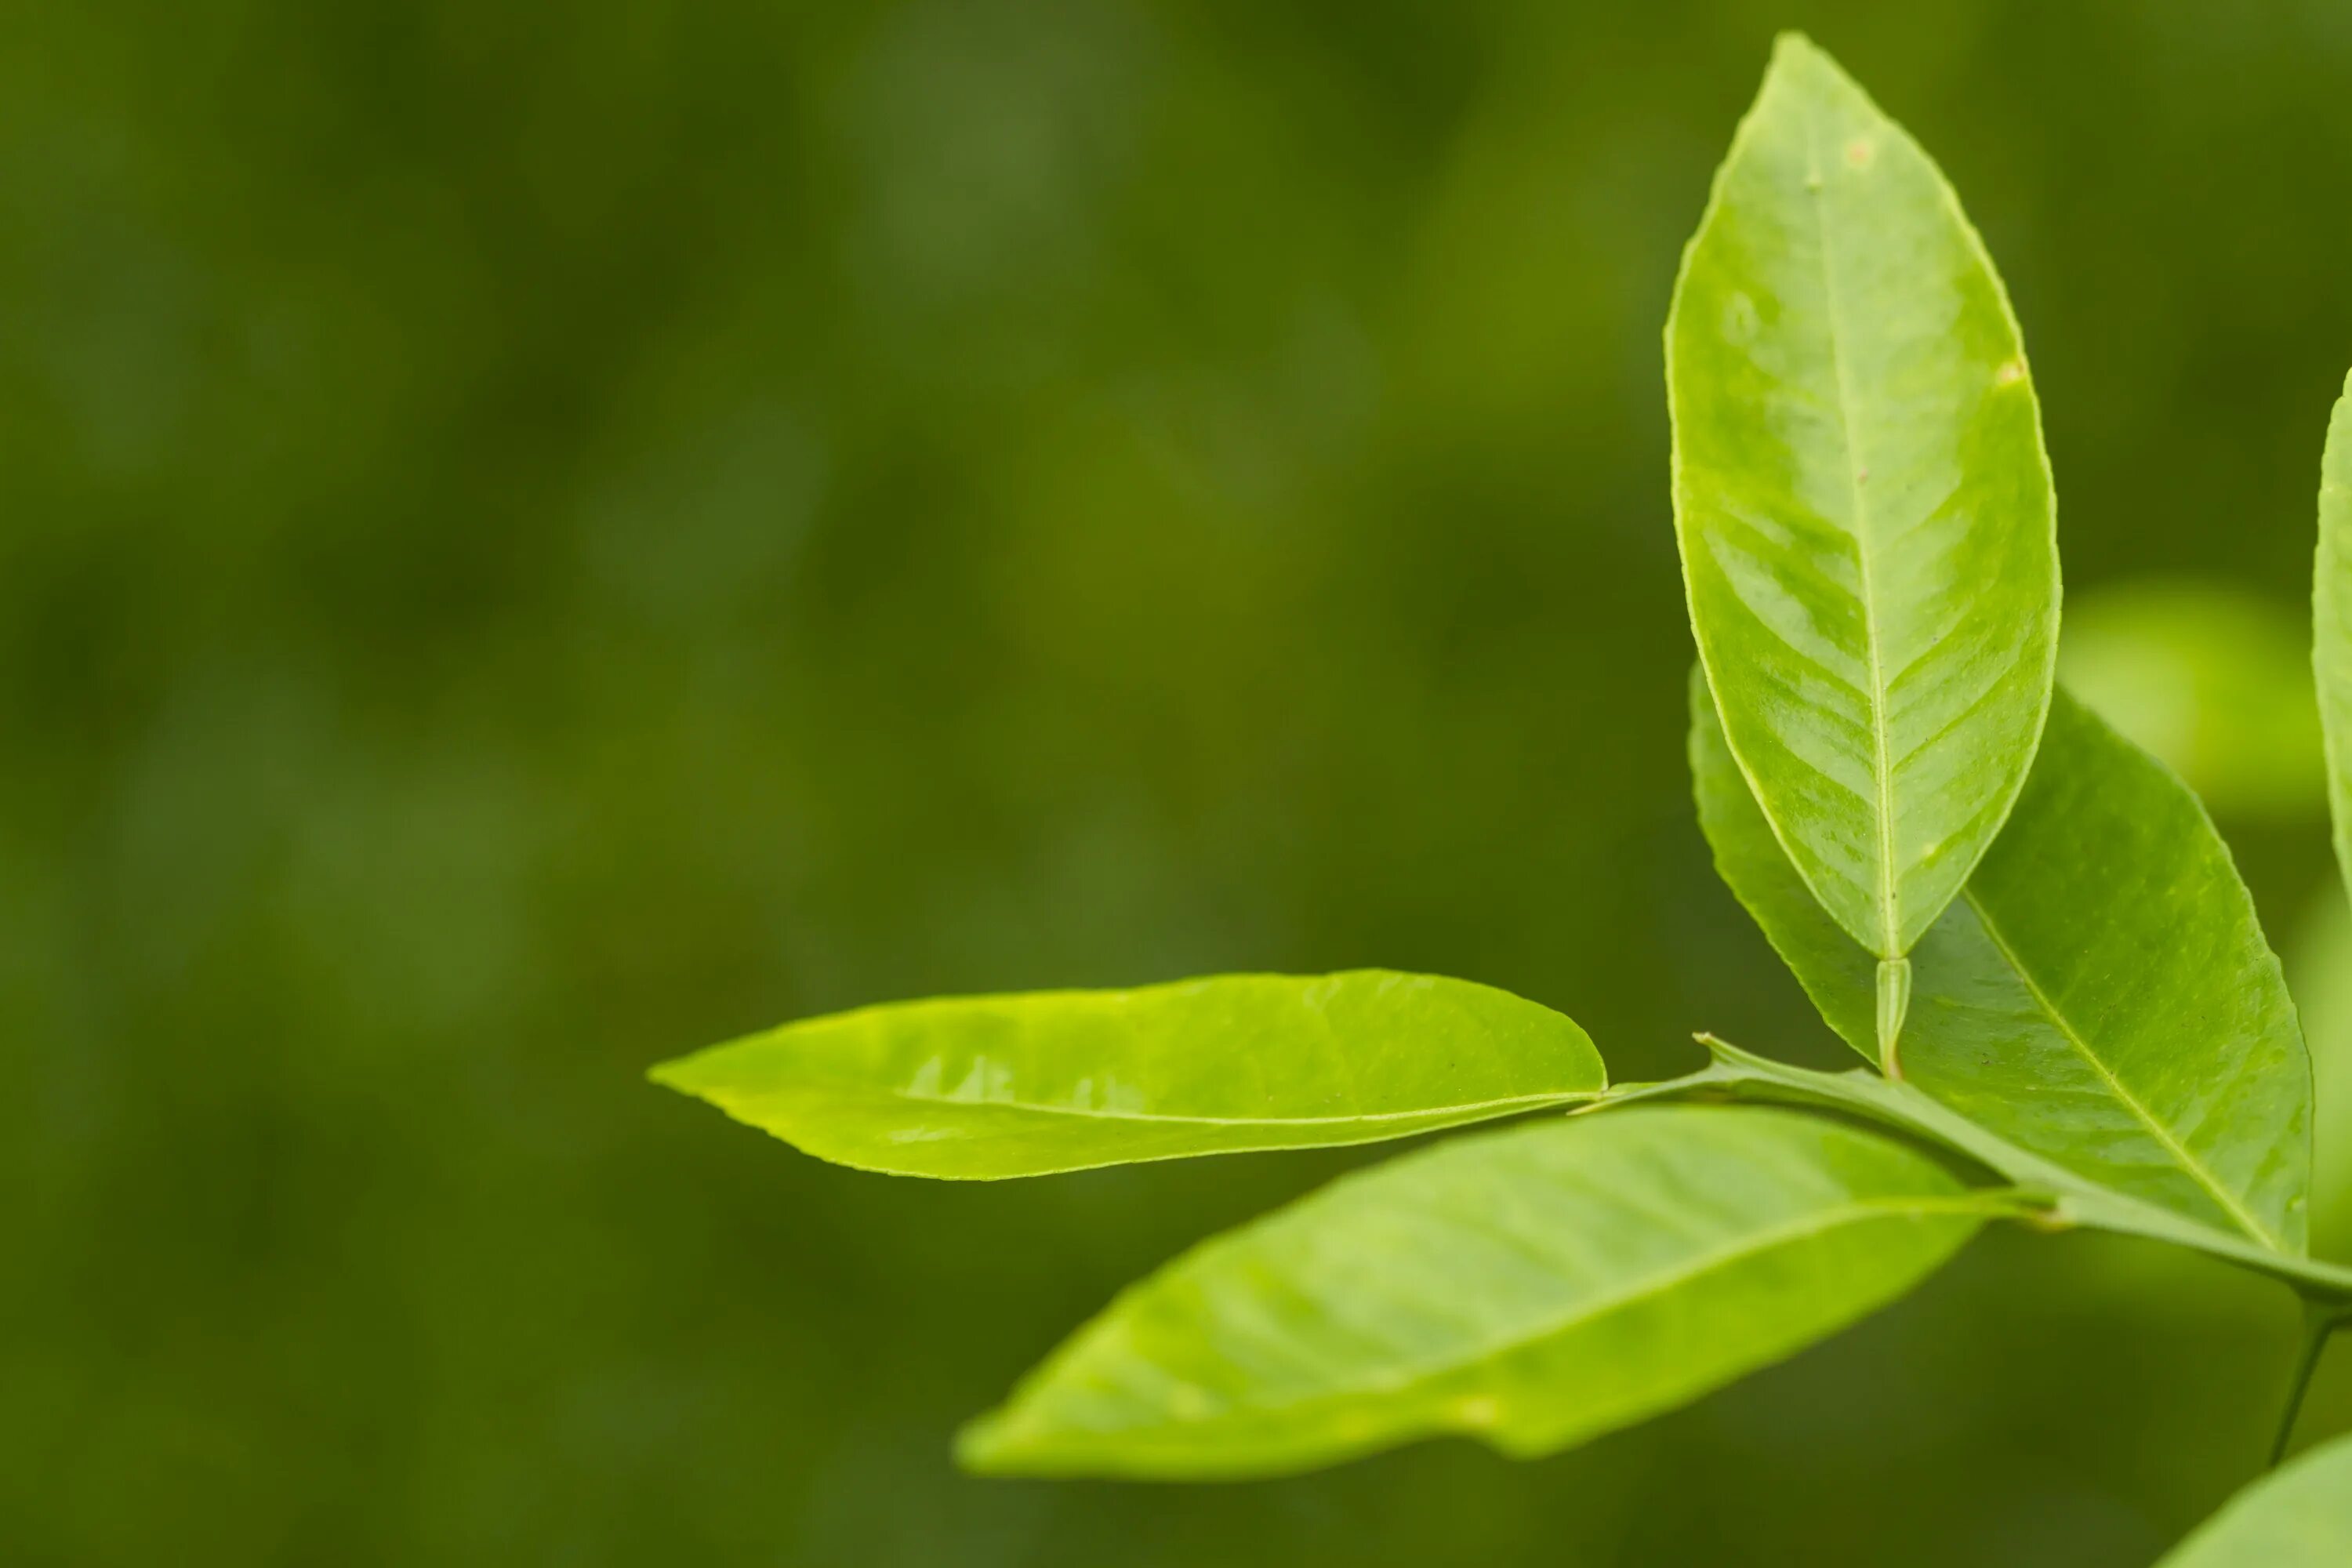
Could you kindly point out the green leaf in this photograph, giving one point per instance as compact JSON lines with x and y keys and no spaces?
{"x":2056,"y":1196}
{"x":2101,"y":994}
{"x":1863,"y":502}
{"x":1532,"y":1288}
{"x":2215,"y":682}
{"x":2331,"y":605}
{"x":988,"y":1087}
{"x":2298,"y":1517}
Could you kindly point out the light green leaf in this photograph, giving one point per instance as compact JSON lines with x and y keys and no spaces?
{"x":2101,"y":994}
{"x":2298,"y":1517}
{"x":1863,"y":502}
{"x":987,"y":1087}
{"x":1532,"y":1288}
{"x":2215,"y":682}
{"x":2331,"y":605}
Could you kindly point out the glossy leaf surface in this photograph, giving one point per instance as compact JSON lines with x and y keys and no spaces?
{"x":1532,"y":1288}
{"x":1024,"y":1085}
{"x":1863,"y":502}
{"x":2332,"y":621}
{"x":2213,"y":681}
{"x":2298,"y":1517}
{"x":2101,"y":994}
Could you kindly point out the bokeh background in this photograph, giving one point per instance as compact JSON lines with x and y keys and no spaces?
{"x":537,"y":537}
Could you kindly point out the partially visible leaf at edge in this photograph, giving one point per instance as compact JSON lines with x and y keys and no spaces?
{"x":1532,"y":1288}
{"x":2298,"y":1517}
{"x":2319,"y":972}
{"x":2101,"y":994}
{"x":1861,"y":500}
{"x":2331,"y":605}
{"x":986,"y":1086}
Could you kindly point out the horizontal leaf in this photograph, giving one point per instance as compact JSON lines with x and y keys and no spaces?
{"x":2101,"y":994}
{"x":1863,"y":502}
{"x":2299,"y":1517}
{"x":988,"y":1087}
{"x":2214,"y":682}
{"x":1532,"y":1288}
{"x":2332,"y":621}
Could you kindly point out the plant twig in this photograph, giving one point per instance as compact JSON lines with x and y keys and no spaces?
{"x":2320,"y":1319}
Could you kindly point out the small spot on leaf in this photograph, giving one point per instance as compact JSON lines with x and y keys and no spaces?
{"x":1860,"y":152}
{"x":2010,"y":374}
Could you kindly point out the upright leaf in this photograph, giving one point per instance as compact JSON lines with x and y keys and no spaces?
{"x":1863,"y":503}
{"x":2331,"y":603}
{"x":1020,"y":1086}
{"x":1532,"y":1288}
{"x":2299,"y":1517}
{"x":2101,"y":994}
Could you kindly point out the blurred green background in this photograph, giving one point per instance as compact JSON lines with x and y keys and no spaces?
{"x":538,"y":537}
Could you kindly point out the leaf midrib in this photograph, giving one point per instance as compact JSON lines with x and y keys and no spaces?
{"x":1034,"y":1107}
{"x":1882,"y":772}
{"x":1396,"y":1380}
{"x":2197,"y":1169}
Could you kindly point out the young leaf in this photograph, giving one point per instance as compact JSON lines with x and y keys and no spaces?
{"x":987,"y":1087}
{"x":2299,"y":1517}
{"x":2101,"y":994}
{"x":1863,"y":503}
{"x":2331,"y":607}
{"x":1532,"y":1288}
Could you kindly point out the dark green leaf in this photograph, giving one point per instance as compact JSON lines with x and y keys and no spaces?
{"x":1060,"y":1080}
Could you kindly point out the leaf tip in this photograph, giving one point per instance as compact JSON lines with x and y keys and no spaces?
{"x":987,"y":1445}
{"x":1798,"y":59}
{"x":681,"y":1074}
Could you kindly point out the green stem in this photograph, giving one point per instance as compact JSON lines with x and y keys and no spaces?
{"x":2319,"y":1322}
{"x":1893,"y":1002}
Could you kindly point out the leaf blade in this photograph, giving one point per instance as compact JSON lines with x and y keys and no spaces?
{"x":1517,"y":1287}
{"x":2101,"y":995}
{"x":1863,"y":503}
{"x":1034,"y":1084}
{"x":2297,"y":1517}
